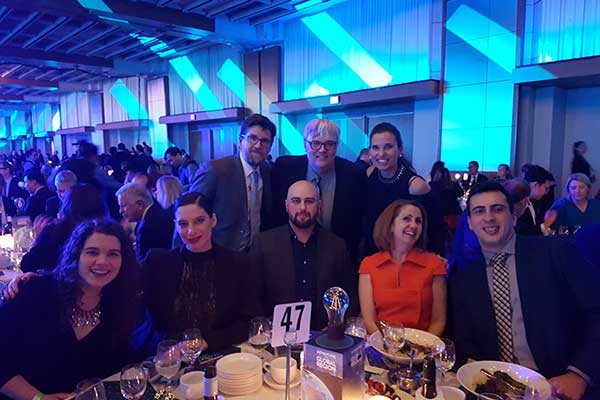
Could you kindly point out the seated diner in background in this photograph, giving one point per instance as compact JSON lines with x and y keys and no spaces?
{"x":403,"y":283}
{"x":79,"y":317}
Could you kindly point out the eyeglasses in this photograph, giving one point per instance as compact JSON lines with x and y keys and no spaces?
{"x":253,"y":140}
{"x":316,"y":145}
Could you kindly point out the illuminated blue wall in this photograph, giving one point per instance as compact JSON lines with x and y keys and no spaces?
{"x":481,"y":49}
{"x":560,"y":30}
{"x":359,"y":44}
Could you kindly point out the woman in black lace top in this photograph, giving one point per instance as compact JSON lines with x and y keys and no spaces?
{"x":199,"y":285}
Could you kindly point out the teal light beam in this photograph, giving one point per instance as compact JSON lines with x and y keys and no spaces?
{"x":97,"y":5}
{"x":128,"y":101}
{"x":234,"y":78}
{"x":471,"y":26}
{"x":190,"y":75}
{"x":345,"y":47}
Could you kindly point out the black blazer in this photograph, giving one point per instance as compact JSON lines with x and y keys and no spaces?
{"x":52,"y":206}
{"x":526,"y":226}
{"x":47,"y":248}
{"x":14,"y":191}
{"x":559,"y":298}
{"x":154,"y":231}
{"x":36,"y":203}
{"x":236,"y":298}
{"x":273,"y":260}
{"x":349,"y":202}
{"x":223,"y":183}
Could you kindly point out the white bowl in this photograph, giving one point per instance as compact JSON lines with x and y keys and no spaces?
{"x":470,"y":375}
{"x":414,"y":335}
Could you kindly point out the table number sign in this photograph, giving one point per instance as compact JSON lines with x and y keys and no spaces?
{"x":291,"y":317}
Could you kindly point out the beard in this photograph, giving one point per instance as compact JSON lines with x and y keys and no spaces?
{"x":302,"y":223}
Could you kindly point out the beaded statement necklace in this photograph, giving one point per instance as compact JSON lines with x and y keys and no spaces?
{"x":82,"y":319}
{"x":393,"y":179}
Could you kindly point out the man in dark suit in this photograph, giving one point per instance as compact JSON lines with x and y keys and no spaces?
{"x":154,"y":227}
{"x":35,"y":183}
{"x":529,"y":300}
{"x":474,"y":176}
{"x":299,"y":261}
{"x":239,"y":187}
{"x":540,"y":183}
{"x":11,"y":187}
{"x":342,"y":185}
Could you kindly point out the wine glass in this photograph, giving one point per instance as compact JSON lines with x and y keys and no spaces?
{"x":394,"y":337}
{"x":90,"y":389}
{"x":167,"y":360}
{"x":133,"y":381}
{"x":259,"y":333}
{"x":445,"y":359}
{"x":191,"y":345}
{"x":356,"y":327}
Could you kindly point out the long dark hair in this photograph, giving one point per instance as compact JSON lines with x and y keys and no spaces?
{"x":387,"y":127}
{"x":120,"y":298}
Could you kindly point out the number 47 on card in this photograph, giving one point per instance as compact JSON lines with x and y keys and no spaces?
{"x":291,"y":317}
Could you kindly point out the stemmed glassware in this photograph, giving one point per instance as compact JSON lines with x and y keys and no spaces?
{"x":191,"y":346}
{"x":90,"y":389}
{"x":259,"y":334}
{"x":356,"y":327}
{"x":445,"y":360}
{"x":133,"y":381}
{"x":394,"y":337}
{"x":168,"y":360}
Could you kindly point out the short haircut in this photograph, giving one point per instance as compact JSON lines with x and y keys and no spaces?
{"x":197,"y":198}
{"x":486,"y":187}
{"x":517,"y":189}
{"x":66,"y":176}
{"x":537,"y":174}
{"x":579,"y":177}
{"x":87,"y":149}
{"x":36,"y":175}
{"x":321,"y":127}
{"x":258,"y":120}
{"x":382,"y":232}
{"x":475,"y":163}
{"x":387,"y":127}
{"x":172,"y":151}
{"x":137,"y":192}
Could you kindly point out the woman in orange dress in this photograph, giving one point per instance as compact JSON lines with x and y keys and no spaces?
{"x":403,"y":283}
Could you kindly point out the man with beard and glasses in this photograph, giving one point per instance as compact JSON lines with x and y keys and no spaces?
{"x":239,"y":186}
{"x":299,"y":261}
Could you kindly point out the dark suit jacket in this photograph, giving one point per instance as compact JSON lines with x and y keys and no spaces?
{"x":236,"y":299}
{"x":587,"y":239}
{"x":154,"y":231}
{"x":466,"y":184}
{"x":273,"y":260}
{"x":526,"y":226}
{"x":9,"y":206}
{"x":52,"y":206}
{"x":46,"y":250}
{"x":349,"y":200}
{"x":36,"y":204}
{"x":14,"y":191}
{"x":559,"y":299}
{"x":223,"y":183}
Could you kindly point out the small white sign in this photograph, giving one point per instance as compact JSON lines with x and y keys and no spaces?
{"x":292,"y":319}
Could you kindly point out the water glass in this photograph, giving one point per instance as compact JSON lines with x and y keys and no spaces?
{"x":394,"y":337}
{"x":356,"y":327}
{"x":259,"y":333}
{"x":191,"y":345}
{"x":168,"y":359}
{"x":90,"y":389}
{"x":133,"y":381}
{"x":445,"y":360}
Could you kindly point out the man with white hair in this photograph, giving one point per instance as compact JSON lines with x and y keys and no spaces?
{"x":341,"y":184}
{"x":154,"y":227}
{"x":63,"y":181}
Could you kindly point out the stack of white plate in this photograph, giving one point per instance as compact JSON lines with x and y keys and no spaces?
{"x":239,"y":374}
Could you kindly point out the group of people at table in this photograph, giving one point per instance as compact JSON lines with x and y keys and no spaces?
{"x":527,"y":300}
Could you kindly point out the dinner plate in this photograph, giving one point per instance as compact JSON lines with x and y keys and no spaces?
{"x":278,"y":386}
{"x":414,"y":335}
{"x":470,"y":375}
{"x":238,"y":365}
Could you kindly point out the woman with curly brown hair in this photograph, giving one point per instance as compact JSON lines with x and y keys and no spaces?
{"x":74,"y":323}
